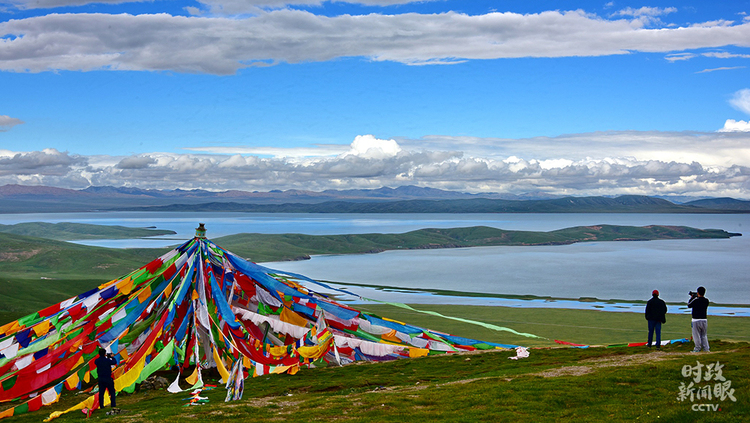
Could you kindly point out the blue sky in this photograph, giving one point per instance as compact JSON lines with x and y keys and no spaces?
{"x":565,"y":97}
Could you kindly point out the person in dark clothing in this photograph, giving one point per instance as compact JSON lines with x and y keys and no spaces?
{"x":104,"y":371}
{"x":656,"y":314}
{"x":699,"y":305}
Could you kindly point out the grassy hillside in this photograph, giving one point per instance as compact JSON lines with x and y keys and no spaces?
{"x":66,"y":231}
{"x":36,"y":257}
{"x":36,"y":272}
{"x":551,"y":385}
{"x":721,"y":204}
{"x":273,"y":247}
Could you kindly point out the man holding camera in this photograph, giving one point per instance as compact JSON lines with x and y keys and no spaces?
{"x":699,"y":305}
{"x":104,"y":371}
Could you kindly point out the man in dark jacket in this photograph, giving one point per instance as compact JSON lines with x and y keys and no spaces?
{"x":104,"y":371}
{"x":699,"y":305}
{"x":656,"y":314}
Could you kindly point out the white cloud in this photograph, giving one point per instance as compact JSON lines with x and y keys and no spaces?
{"x":645,"y":11}
{"x":607,"y":163}
{"x":369,"y":147}
{"x":81,"y":42}
{"x":48,"y":162}
{"x":741,"y":100}
{"x":234,"y":7}
{"x":675,"y":57}
{"x":135,"y":162}
{"x":725,"y":55}
{"x":645,"y":15}
{"x":277,"y":152}
{"x":227,"y":6}
{"x":721,"y":69}
{"x":709,"y":149}
{"x":732,"y":125}
{"x":7,"y":122}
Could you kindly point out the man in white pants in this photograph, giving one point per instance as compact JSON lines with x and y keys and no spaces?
{"x":699,"y":305}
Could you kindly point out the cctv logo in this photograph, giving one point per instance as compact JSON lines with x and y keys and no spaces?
{"x":705,"y":407}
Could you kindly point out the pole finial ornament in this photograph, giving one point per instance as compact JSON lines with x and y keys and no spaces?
{"x":200,"y":231}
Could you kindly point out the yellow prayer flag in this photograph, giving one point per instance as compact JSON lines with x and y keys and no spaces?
{"x":289,"y":316}
{"x":193,"y":378}
{"x":7,"y":413}
{"x":145,"y":294}
{"x":220,"y":366}
{"x":72,"y":381}
{"x":125,"y":285}
{"x":277,"y":351}
{"x":390,"y":336}
{"x":247,"y":362}
{"x":41,"y":328}
{"x":394,"y":321}
{"x":9,"y":327}
{"x":418,"y":352}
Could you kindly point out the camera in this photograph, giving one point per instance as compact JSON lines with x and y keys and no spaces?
{"x":692,"y":294}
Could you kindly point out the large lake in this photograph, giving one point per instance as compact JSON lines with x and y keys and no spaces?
{"x":605,"y":270}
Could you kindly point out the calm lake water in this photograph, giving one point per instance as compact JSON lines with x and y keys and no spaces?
{"x":604,"y":270}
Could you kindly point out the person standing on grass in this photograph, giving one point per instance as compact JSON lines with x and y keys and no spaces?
{"x":656,"y":314}
{"x":104,"y":371}
{"x":699,"y":303}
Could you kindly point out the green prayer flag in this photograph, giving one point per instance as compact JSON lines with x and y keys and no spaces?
{"x":473,"y":322}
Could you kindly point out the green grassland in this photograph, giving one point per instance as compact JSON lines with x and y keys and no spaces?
{"x":275,"y":247}
{"x":551,"y":385}
{"x":36,"y":272}
{"x":66,"y":231}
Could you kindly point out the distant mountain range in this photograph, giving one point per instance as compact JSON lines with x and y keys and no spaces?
{"x":405,"y":199}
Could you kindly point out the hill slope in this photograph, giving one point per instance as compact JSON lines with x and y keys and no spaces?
{"x":66,"y":231}
{"x":721,"y":204}
{"x":272,"y":247}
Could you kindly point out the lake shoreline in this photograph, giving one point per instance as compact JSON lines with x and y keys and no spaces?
{"x":437,"y":297}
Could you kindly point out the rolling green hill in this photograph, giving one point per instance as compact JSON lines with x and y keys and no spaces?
{"x":36,"y":272}
{"x":274,"y":247}
{"x":66,"y":231}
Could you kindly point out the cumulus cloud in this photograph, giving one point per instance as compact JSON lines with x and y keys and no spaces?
{"x":135,"y":162}
{"x":231,"y":7}
{"x":710,"y":149}
{"x":741,"y":100}
{"x":645,"y":15}
{"x":645,"y":11}
{"x":48,"y":162}
{"x":732,"y":125}
{"x":715,"y":164}
{"x":289,"y":152}
{"x":219,"y":45}
{"x":227,"y":6}
{"x":46,"y":4}
{"x":369,"y":147}
{"x":7,"y":122}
